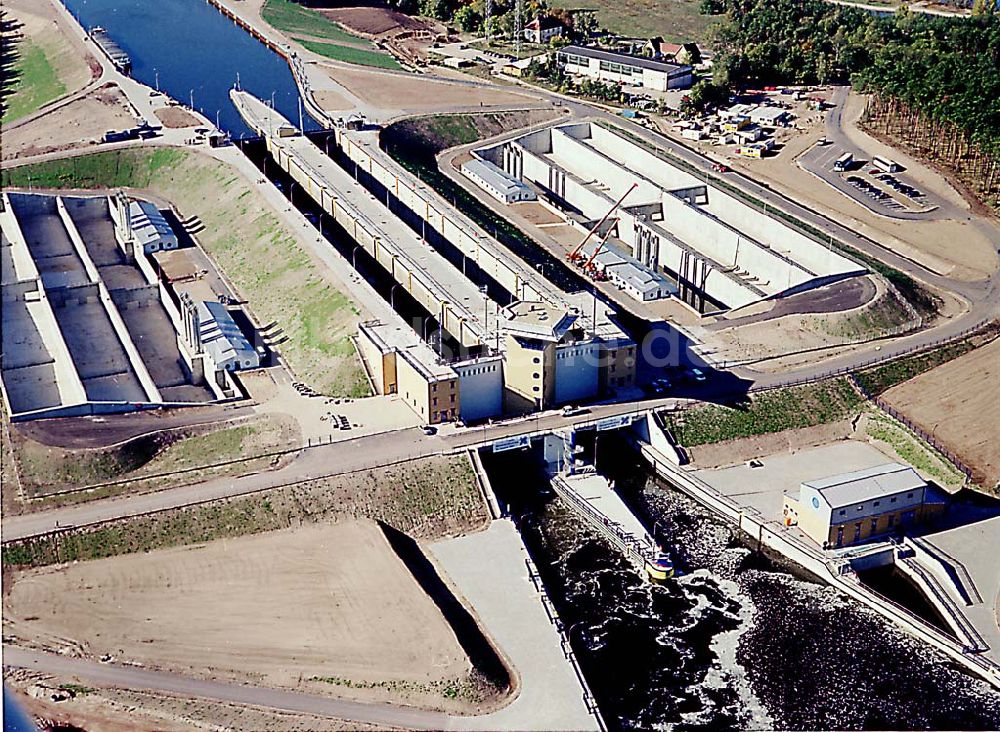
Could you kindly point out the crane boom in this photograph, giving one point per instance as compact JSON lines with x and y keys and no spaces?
{"x":575,"y":252}
{"x":600,"y":244}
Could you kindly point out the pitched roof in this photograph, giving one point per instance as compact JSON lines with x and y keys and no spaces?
{"x":861,"y":485}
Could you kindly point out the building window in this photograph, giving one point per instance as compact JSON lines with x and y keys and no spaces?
{"x":861,"y":508}
{"x":877,"y":503}
{"x":536,"y":359}
{"x":840,"y":536}
{"x":874,"y":525}
{"x":434,"y":387}
{"x":534,"y":388}
{"x":536,"y":375}
{"x":892,"y":500}
{"x":891,"y":521}
{"x":909,"y":495}
{"x":857,"y":531}
{"x":435,"y":402}
{"x":452,"y":398}
{"x":843,"y":512}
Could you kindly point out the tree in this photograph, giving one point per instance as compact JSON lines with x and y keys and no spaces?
{"x":468,"y":20}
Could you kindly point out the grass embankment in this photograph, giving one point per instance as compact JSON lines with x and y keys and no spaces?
{"x":284,"y":285}
{"x":415,"y":143}
{"x":768,"y":412}
{"x":325,"y":37}
{"x":427,"y":498}
{"x":913,"y":450}
{"x":351,"y":54}
{"x":880,"y":379}
{"x":37,"y":82}
{"x":152,"y":461}
{"x":678,"y":21}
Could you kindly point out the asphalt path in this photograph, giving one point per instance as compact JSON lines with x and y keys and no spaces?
{"x":323,"y":461}
{"x":133,"y":677}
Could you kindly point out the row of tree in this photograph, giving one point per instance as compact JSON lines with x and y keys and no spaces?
{"x":934,"y":81}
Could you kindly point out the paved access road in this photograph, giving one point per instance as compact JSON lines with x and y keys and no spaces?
{"x":337,"y":458}
{"x":133,"y":677}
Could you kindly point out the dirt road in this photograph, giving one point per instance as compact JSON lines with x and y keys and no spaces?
{"x":127,"y":677}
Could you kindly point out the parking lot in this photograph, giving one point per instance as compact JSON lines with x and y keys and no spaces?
{"x":883,"y":192}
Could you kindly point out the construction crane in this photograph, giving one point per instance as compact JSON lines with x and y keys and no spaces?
{"x":575,"y":254}
{"x":588,"y":266}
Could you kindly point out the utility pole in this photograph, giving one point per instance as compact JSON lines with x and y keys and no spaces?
{"x":518,"y":27}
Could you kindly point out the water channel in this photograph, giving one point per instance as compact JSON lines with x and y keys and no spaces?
{"x":736,"y":642}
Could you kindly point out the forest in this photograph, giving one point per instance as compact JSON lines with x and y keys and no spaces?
{"x":934,"y":81}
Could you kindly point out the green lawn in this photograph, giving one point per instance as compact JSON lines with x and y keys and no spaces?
{"x":37,"y":83}
{"x":351,"y":54}
{"x":249,"y":243}
{"x":678,"y":21}
{"x":770,"y":411}
{"x":290,"y":18}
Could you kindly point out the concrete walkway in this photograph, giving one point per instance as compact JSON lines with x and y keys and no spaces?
{"x":977,"y":545}
{"x":489,"y":570}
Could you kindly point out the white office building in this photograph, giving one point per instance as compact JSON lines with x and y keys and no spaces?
{"x":620,"y":68}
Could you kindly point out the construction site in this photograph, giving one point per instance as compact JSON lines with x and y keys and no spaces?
{"x":661,"y":231}
{"x":90,"y":323}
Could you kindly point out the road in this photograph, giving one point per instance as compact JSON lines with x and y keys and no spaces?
{"x":132,"y":677}
{"x":337,"y":458}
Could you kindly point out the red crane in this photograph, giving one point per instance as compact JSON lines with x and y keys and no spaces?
{"x":576,"y":252}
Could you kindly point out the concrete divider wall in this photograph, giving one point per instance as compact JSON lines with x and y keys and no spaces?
{"x":120,"y":329}
{"x":808,"y":253}
{"x":425,"y":205}
{"x":20,"y":290}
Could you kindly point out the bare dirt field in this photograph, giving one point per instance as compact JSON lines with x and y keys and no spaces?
{"x":957,"y":403}
{"x":78,"y":123}
{"x":176,"y":117}
{"x":405,"y":36}
{"x":283,"y":609}
{"x":373,"y":21}
{"x":402,"y":92}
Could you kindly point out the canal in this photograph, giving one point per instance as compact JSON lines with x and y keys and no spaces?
{"x":735,"y":641}
{"x":189,"y":50}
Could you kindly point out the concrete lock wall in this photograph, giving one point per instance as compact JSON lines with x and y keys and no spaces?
{"x":423,"y":204}
{"x":808,"y":254}
{"x":481,"y":388}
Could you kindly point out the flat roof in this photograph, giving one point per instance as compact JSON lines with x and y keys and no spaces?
{"x":638,"y":61}
{"x":858,"y":486}
{"x":404,"y":341}
{"x":536,"y":319}
{"x":493,"y":175}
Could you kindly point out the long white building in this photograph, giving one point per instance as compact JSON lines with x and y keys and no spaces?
{"x":621,"y":68}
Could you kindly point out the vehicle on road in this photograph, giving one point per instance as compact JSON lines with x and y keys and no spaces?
{"x":843,"y":162}
{"x":571,"y":410}
{"x":429,"y":429}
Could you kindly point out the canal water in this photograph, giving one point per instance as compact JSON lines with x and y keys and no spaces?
{"x":191,"y":50}
{"x":734,"y":642}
